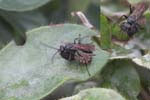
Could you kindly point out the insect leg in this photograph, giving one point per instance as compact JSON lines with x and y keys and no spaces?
{"x":48,"y":46}
{"x":69,"y":57}
{"x":75,"y":40}
{"x":121,"y":18}
{"x":83,"y":61}
{"x":78,"y":53}
{"x":125,"y":16}
{"x":87,"y":69}
{"x":131,"y":9}
{"x":79,"y":42}
{"x":79,"y":39}
{"x":54,"y":56}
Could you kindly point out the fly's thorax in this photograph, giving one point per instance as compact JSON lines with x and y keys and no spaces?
{"x":131,"y":20}
{"x":67,"y":52}
{"x":129,"y":28}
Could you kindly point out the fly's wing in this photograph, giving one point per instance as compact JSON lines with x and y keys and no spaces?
{"x":140,"y":8}
{"x":84,"y":47}
{"x":84,"y":58}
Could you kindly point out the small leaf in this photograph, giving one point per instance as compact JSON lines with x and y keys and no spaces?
{"x":27,"y":72}
{"x":96,"y":94}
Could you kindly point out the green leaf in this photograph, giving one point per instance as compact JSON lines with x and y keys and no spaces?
{"x":96,"y":94}
{"x":108,"y":31}
{"x":20,"y":22}
{"x":27,"y":72}
{"x":21,"y":5}
{"x":122,"y":76}
{"x":118,"y":34}
{"x":105,"y":29}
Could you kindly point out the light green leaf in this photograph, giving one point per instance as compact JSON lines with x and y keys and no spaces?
{"x":96,"y":94}
{"x":27,"y":72}
{"x":21,"y":5}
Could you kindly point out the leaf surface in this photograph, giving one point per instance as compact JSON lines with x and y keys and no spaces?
{"x":27,"y":72}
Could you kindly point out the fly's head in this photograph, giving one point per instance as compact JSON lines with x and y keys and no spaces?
{"x":131,"y":20}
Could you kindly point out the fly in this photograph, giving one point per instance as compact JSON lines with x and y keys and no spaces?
{"x":131,"y":25}
{"x":76,"y":51}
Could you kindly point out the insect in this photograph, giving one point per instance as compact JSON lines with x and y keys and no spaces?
{"x":131,"y":25}
{"x":76,"y":51}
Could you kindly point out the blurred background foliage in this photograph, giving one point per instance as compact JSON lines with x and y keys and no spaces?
{"x":19,"y":16}
{"x":129,"y":64}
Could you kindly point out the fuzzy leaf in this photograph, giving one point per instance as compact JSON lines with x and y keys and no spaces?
{"x":27,"y":72}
